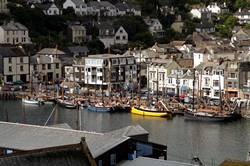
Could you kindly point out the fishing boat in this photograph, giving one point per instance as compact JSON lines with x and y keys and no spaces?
{"x":206,"y":116}
{"x":67,"y":103}
{"x":32,"y":101}
{"x":99,"y":107}
{"x":148,"y":112}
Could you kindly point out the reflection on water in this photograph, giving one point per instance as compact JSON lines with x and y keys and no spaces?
{"x":212,"y":142}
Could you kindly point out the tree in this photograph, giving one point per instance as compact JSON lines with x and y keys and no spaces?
{"x":95,"y":46}
{"x":241,"y":4}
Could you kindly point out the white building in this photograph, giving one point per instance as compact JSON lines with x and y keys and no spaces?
{"x":46,"y":65}
{"x":197,"y":12}
{"x":110,"y":70}
{"x":3,"y":6}
{"x":14,"y":64}
{"x":154,"y":25}
{"x":49,"y":9}
{"x":158,"y":71}
{"x":79,"y":6}
{"x":214,"y":8}
{"x":121,"y":36}
{"x":14,"y":33}
{"x":243,"y":16}
{"x":77,"y":33}
{"x":211,"y":80}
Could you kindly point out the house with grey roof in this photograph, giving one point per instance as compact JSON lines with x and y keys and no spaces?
{"x":241,"y":38}
{"x":155,"y":27}
{"x":14,"y":33}
{"x":79,"y":6}
{"x":50,"y":9}
{"x":109,"y":36}
{"x":14,"y":64}
{"x":102,"y":8}
{"x":124,"y":8}
{"x":77,"y":34}
{"x":3,"y":6}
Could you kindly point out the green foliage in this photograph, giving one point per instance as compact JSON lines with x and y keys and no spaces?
{"x":224,"y":31}
{"x":95,"y":46}
{"x":228,"y":21}
{"x":241,"y":4}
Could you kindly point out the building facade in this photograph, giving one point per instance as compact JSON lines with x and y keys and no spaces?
{"x":77,"y":33}
{"x":14,"y":33}
{"x":14,"y":64}
{"x":110,"y":70}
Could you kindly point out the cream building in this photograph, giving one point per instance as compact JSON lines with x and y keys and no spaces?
{"x":14,"y":64}
{"x":3,"y":6}
{"x":14,"y":33}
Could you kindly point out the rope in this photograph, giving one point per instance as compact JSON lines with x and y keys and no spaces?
{"x":50,"y":115}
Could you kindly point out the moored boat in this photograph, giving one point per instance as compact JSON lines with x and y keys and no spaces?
{"x":206,"y":116}
{"x":148,"y":112}
{"x":67,"y":103}
{"x":99,"y":107}
{"x":32,"y":101}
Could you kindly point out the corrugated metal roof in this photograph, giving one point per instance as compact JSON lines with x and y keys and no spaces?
{"x":31,"y":137}
{"x":143,"y":161}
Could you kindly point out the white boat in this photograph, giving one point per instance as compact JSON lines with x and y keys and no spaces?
{"x":67,"y":103}
{"x":32,"y":101}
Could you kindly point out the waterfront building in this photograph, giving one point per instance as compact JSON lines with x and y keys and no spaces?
{"x":3,"y":6}
{"x":102,"y":8}
{"x":14,"y":64}
{"x":77,"y":34}
{"x":110,"y":70}
{"x":243,"y":16}
{"x":128,"y":9}
{"x":210,"y":80}
{"x":14,"y":33}
{"x":158,"y":75}
{"x":46,"y":65}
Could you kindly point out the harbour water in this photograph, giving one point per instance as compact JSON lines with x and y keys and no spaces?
{"x":211,"y":142}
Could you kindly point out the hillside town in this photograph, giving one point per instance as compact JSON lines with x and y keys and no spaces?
{"x":158,"y":59}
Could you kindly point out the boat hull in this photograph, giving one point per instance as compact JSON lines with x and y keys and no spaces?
{"x":66,"y":105}
{"x":98,"y":109}
{"x":33,"y":102}
{"x":142,"y":112}
{"x":192,"y":116}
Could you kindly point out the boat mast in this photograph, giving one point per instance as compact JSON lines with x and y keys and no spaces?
{"x":139,"y":84}
{"x":148,"y":82}
{"x":157,"y":84}
{"x":193,"y":88}
{"x":102,"y":84}
{"x":220,"y":93}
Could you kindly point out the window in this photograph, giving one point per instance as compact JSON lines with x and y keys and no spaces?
{"x":57,"y":65}
{"x":216,"y":93}
{"x":124,"y":37}
{"x":232,"y":75}
{"x":49,"y":66}
{"x":10,"y":69}
{"x":117,"y":37}
{"x":24,"y":32}
{"x":16,"y":40}
{"x":21,"y":68}
{"x":113,"y":159}
{"x":216,"y":83}
{"x":35,"y":67}
{"x":229,"y":84}
{"x":10,"y":60}
{"x":207,"y":80}
{"x":170,"y":80}
{"x":43,"y":66}
{"x":8,"y":40}
{"x":121,"y":31}
{"x":21,"y":60}
{"x":57,"y":75}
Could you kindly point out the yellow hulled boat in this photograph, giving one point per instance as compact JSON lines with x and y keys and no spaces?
{"x":148,"y":112}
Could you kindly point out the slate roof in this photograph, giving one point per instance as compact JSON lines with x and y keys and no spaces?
{"x":51,"y":51}
{"x":44,"y":6}
{"x":77,"y":49}
{"x":78,"y":2}
{"x":77,"y":27}
{"x":11,"y":52}
{"x":14,"y":26}
{"x":62,"y":157}
{"x":101,"y":4}
{"x":31,"y":137}
{"x":144,"y":161}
